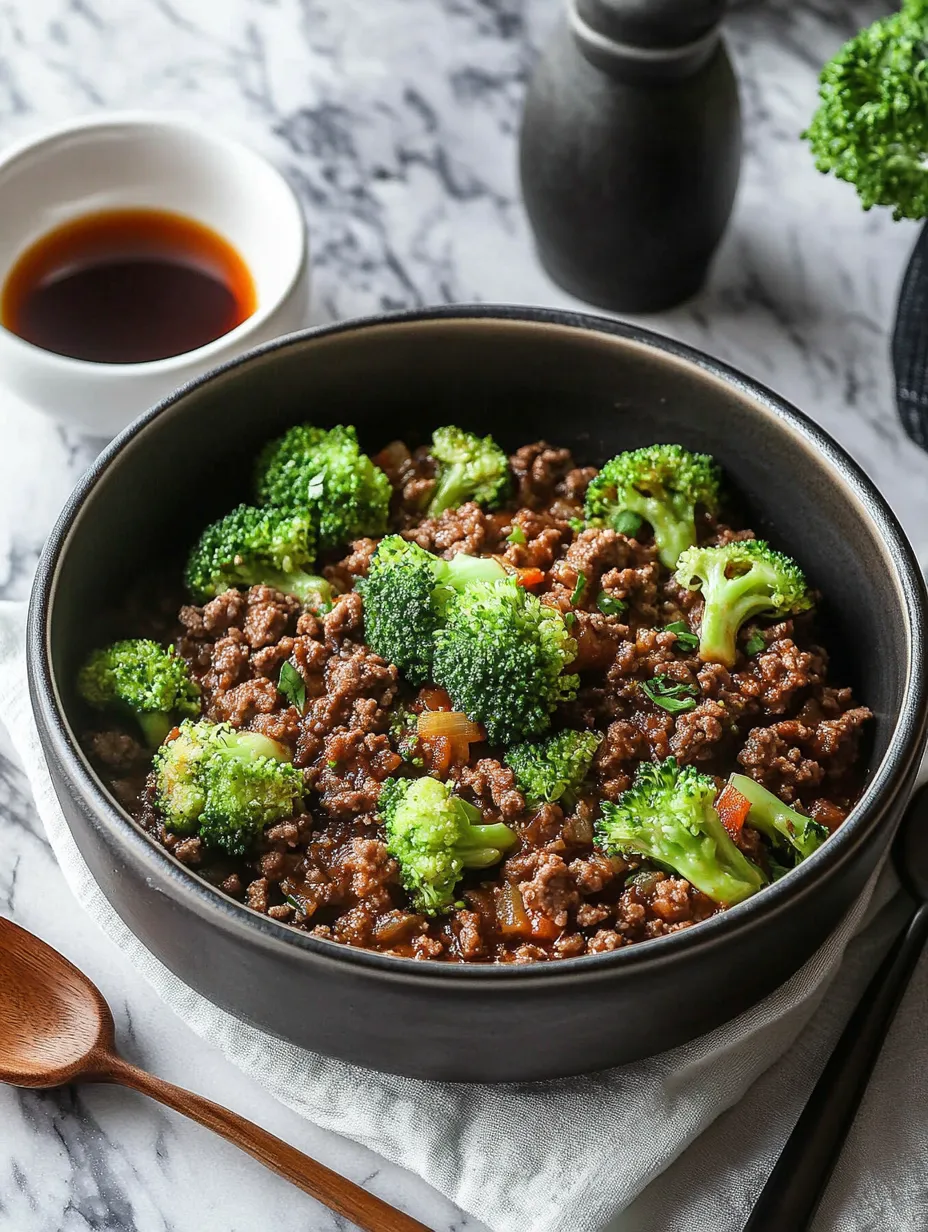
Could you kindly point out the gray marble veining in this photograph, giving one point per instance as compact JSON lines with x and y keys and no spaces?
{"x":396,"y":120}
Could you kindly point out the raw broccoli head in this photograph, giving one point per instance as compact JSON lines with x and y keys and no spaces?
{"x":553,"y":769}
{"x":871,"y":126}
{"x":434,"y":836}
{"x":323,"y":472}
{"x":140,"y":678}
{"x":470,"y":468}
{"x":780,"y":823}
{"x":255,"y":547}
{"x":667,"y":817}
{"x":224,"y":784}
{"x":405,"y":594}
{"x":501,"y":655}
{"x":738,"y":581}
{"x":661,"y":484}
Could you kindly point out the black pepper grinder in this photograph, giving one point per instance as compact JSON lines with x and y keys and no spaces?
{"x":630,"y":150}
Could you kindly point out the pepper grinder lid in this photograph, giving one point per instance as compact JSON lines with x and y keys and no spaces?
{"x":652,"y":24}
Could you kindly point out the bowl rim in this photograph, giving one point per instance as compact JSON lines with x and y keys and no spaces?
{"x":894,"y":770}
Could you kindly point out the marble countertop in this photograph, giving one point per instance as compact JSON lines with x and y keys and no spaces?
{"x":396,"y":121}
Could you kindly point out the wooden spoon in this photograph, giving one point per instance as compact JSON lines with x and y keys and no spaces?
{"x":55,"y":1029}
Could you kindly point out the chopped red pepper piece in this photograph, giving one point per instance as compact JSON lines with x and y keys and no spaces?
{"x":434,"y":698}
{"x":733,"y":809}
{"x":544,"y":929}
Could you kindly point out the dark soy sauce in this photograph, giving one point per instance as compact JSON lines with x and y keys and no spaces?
{"x":126,"y":286}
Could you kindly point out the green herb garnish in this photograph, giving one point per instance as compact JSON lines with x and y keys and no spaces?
{"x":755,"y":644}
{"x":671,"y":695}
{"x":579,"y":588}
{"x":610,"y":606}
{"x":777,"y":870}
{"x":516,"y":535}
{"x":293,"y":686}
{"x":570,"y":619}
{"x":685,"y":639}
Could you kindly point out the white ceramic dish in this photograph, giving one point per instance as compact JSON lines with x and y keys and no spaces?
{"x":141,"y":159}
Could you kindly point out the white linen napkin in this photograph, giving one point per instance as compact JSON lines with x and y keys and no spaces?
{"x":561,"y":1156}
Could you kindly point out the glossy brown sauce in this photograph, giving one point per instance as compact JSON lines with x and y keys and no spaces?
{"x":126,"y":286}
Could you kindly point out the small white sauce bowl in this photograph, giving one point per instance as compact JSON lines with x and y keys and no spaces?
{"x":139,"y":159}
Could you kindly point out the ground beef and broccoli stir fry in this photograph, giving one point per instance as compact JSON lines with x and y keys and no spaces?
{"x":457,"y":706}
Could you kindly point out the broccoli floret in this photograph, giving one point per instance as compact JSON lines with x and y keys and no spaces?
{"x":224,"y":784}
{"x":140,"y":678}
{"x":470,"y":468}
{"x":871,"y":126}
{"x":434,"y":836}
{"x":257,"y":547}
{"x":405,"y":594}
{"x":324,"y":473}
{"x":777,"y":820}
{"x":662,"y":484}
{"x":667,"y":816}
{"x":501,"y":655}
{"x":738,"y":581}
{"x":553,"y":769}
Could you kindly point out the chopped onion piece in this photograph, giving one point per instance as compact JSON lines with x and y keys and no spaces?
{"x":511,"y":916}
{"x":452,"y":723}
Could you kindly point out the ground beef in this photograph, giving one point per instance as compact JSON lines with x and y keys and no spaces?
{"x":412,"y":475}
{"x":492,"y":788}
{"x":538,"y":469}
{"x":534,"y":540}
{"x":190,"y":851}
{"x":776,"y":676}
{"x":355,"y":565}
{"x":350,"y":769}
{"x":551,"y":891}
{"x":774,"y":715}
{"x":794,"y":757}
{"x":345,"y":618}
{"x":224,"y":612}
{"x":575,"y":483}
{"x":116,"y":750}
{"x":465,"y":529}
{"x":593,"y":553}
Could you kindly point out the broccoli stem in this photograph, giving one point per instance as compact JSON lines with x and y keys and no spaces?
{"x":480,"y":845}
{"x":450,"y":490}
{"x":155,"y":728}
{"x":729,"y":602}
{"x":722,"y":619}
{"x":672,"y":534}
{"x":712,"y":863}
{"x":462,"y":569}
{"x":454,"y":576}
{"x":305,"y":586}
{"x":246,"y":746}
{"x":718,"y":635}
{"x":777,"y":820}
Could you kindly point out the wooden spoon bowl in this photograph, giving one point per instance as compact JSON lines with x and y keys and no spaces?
{"x":56,"y":1028}
{"x":53,"y":1022}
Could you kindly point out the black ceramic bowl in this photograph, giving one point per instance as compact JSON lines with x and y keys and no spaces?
{"x":598,"y":387}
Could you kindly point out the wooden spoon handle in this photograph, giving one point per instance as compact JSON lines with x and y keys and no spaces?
{"x":336,"y":1192}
